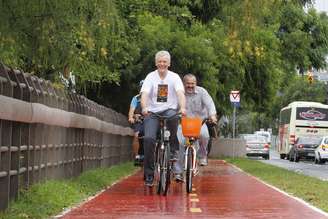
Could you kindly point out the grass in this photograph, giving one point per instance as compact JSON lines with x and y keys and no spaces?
{"x":46,"y":199}
{"x":310,"y":189}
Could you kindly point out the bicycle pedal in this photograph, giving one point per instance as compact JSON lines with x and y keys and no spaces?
{"x":178,"y":178}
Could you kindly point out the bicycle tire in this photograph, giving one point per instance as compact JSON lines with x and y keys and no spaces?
{"x":161,"y":179}
{"x":168,"y":170}
{"x":163,"y":172}
{"x":157,"y":165}
{"x":189,"y":171}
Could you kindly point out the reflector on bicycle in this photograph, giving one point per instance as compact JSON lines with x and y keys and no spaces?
{"x":191,"y":126}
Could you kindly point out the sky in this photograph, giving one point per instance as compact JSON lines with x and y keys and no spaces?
{"x":321,"y":5}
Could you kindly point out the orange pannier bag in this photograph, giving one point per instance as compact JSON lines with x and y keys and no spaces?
{"x":191,"y":126}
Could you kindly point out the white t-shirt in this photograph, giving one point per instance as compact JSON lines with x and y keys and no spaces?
{"x":162,"y":94}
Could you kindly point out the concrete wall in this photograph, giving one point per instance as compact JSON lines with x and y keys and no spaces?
{"x":228,"y":147}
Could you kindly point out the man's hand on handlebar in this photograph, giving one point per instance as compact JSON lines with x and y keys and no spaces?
{"x":183,"y":112}
{"x":213,"y":119}
{"x":131,"y":120}
{"x":138,"y":117}
{"x":145,"y":112}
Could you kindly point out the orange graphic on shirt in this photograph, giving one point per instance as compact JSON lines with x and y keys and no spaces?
{"x":162,"y":93}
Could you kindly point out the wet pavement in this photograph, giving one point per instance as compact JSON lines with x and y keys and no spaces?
{"x":219,"y":191}
{"x":305,"y":167}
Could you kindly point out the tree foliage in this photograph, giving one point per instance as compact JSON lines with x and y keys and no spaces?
{"x":230,"y":45}
{"x":44,"y":36}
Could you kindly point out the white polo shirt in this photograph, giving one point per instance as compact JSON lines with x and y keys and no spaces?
{"x":162,"y":94}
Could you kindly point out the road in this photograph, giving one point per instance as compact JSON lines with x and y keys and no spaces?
{"x":304,"y":167}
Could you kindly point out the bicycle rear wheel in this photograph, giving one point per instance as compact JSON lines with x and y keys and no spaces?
{"x":189,"y":171}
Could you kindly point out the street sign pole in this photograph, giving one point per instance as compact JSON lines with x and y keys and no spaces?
{"x":235,"y":100}
{"x":233,"y":130}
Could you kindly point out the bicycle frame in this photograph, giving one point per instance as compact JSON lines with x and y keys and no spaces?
{"x":162,"y":155}
{"x":164,"y":133}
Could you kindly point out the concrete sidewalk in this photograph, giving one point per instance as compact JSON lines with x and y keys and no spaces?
{"x":219,"y":191}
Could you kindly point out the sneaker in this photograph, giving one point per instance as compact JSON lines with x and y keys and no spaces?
{"x":149,"y":181}
{"x":141,"y":158}
{"x":137,"y":161}
{"x":203,"y":162}
{"x":178,"y":177}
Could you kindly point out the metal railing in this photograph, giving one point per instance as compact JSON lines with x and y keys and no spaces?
{"x":49,"y":133}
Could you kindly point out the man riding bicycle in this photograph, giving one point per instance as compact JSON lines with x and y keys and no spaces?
{"x":135,"y":119}
{"x":199,"y":104}
{"x":162,"y":92}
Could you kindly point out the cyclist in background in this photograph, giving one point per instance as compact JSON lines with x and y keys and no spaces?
{"x":198,"y":104}
{"x":136,"y":119}
{"x":68,"y":79}
{"x":162,"y":92}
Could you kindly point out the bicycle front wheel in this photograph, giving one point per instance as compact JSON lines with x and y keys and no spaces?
{"x":157,"y":165}
{"x":168,"y":170}
{"x":189,"y":171}
{"x":164,"y":172}
{"x":160,"y":168}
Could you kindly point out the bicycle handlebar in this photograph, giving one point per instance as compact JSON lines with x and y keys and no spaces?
{"x":164,"y":117}
{"x":205,"y":120}
{"x":208,"y":120}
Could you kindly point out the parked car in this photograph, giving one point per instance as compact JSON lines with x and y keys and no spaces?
{"x":304,"y":148}
{"x":321,"y":152}
{"x":257,"y":146}
{"x":266,"y":134}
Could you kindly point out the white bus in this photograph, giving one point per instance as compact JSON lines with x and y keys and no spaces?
{"x":301,"y":118}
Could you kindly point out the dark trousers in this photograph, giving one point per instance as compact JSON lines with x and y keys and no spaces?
{"x":151,"y":127}
{"x":141,"y":147}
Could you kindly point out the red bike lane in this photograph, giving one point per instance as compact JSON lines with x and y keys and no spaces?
{"x":219,"y":191}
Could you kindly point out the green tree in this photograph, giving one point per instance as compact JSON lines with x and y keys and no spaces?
{"x":304,"y":44}
{"x":301,"y":90}
{"x":87,"y":36}
{"x":110,"y":45}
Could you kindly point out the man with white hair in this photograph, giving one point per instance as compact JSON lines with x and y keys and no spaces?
{"x":163,"y":93}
